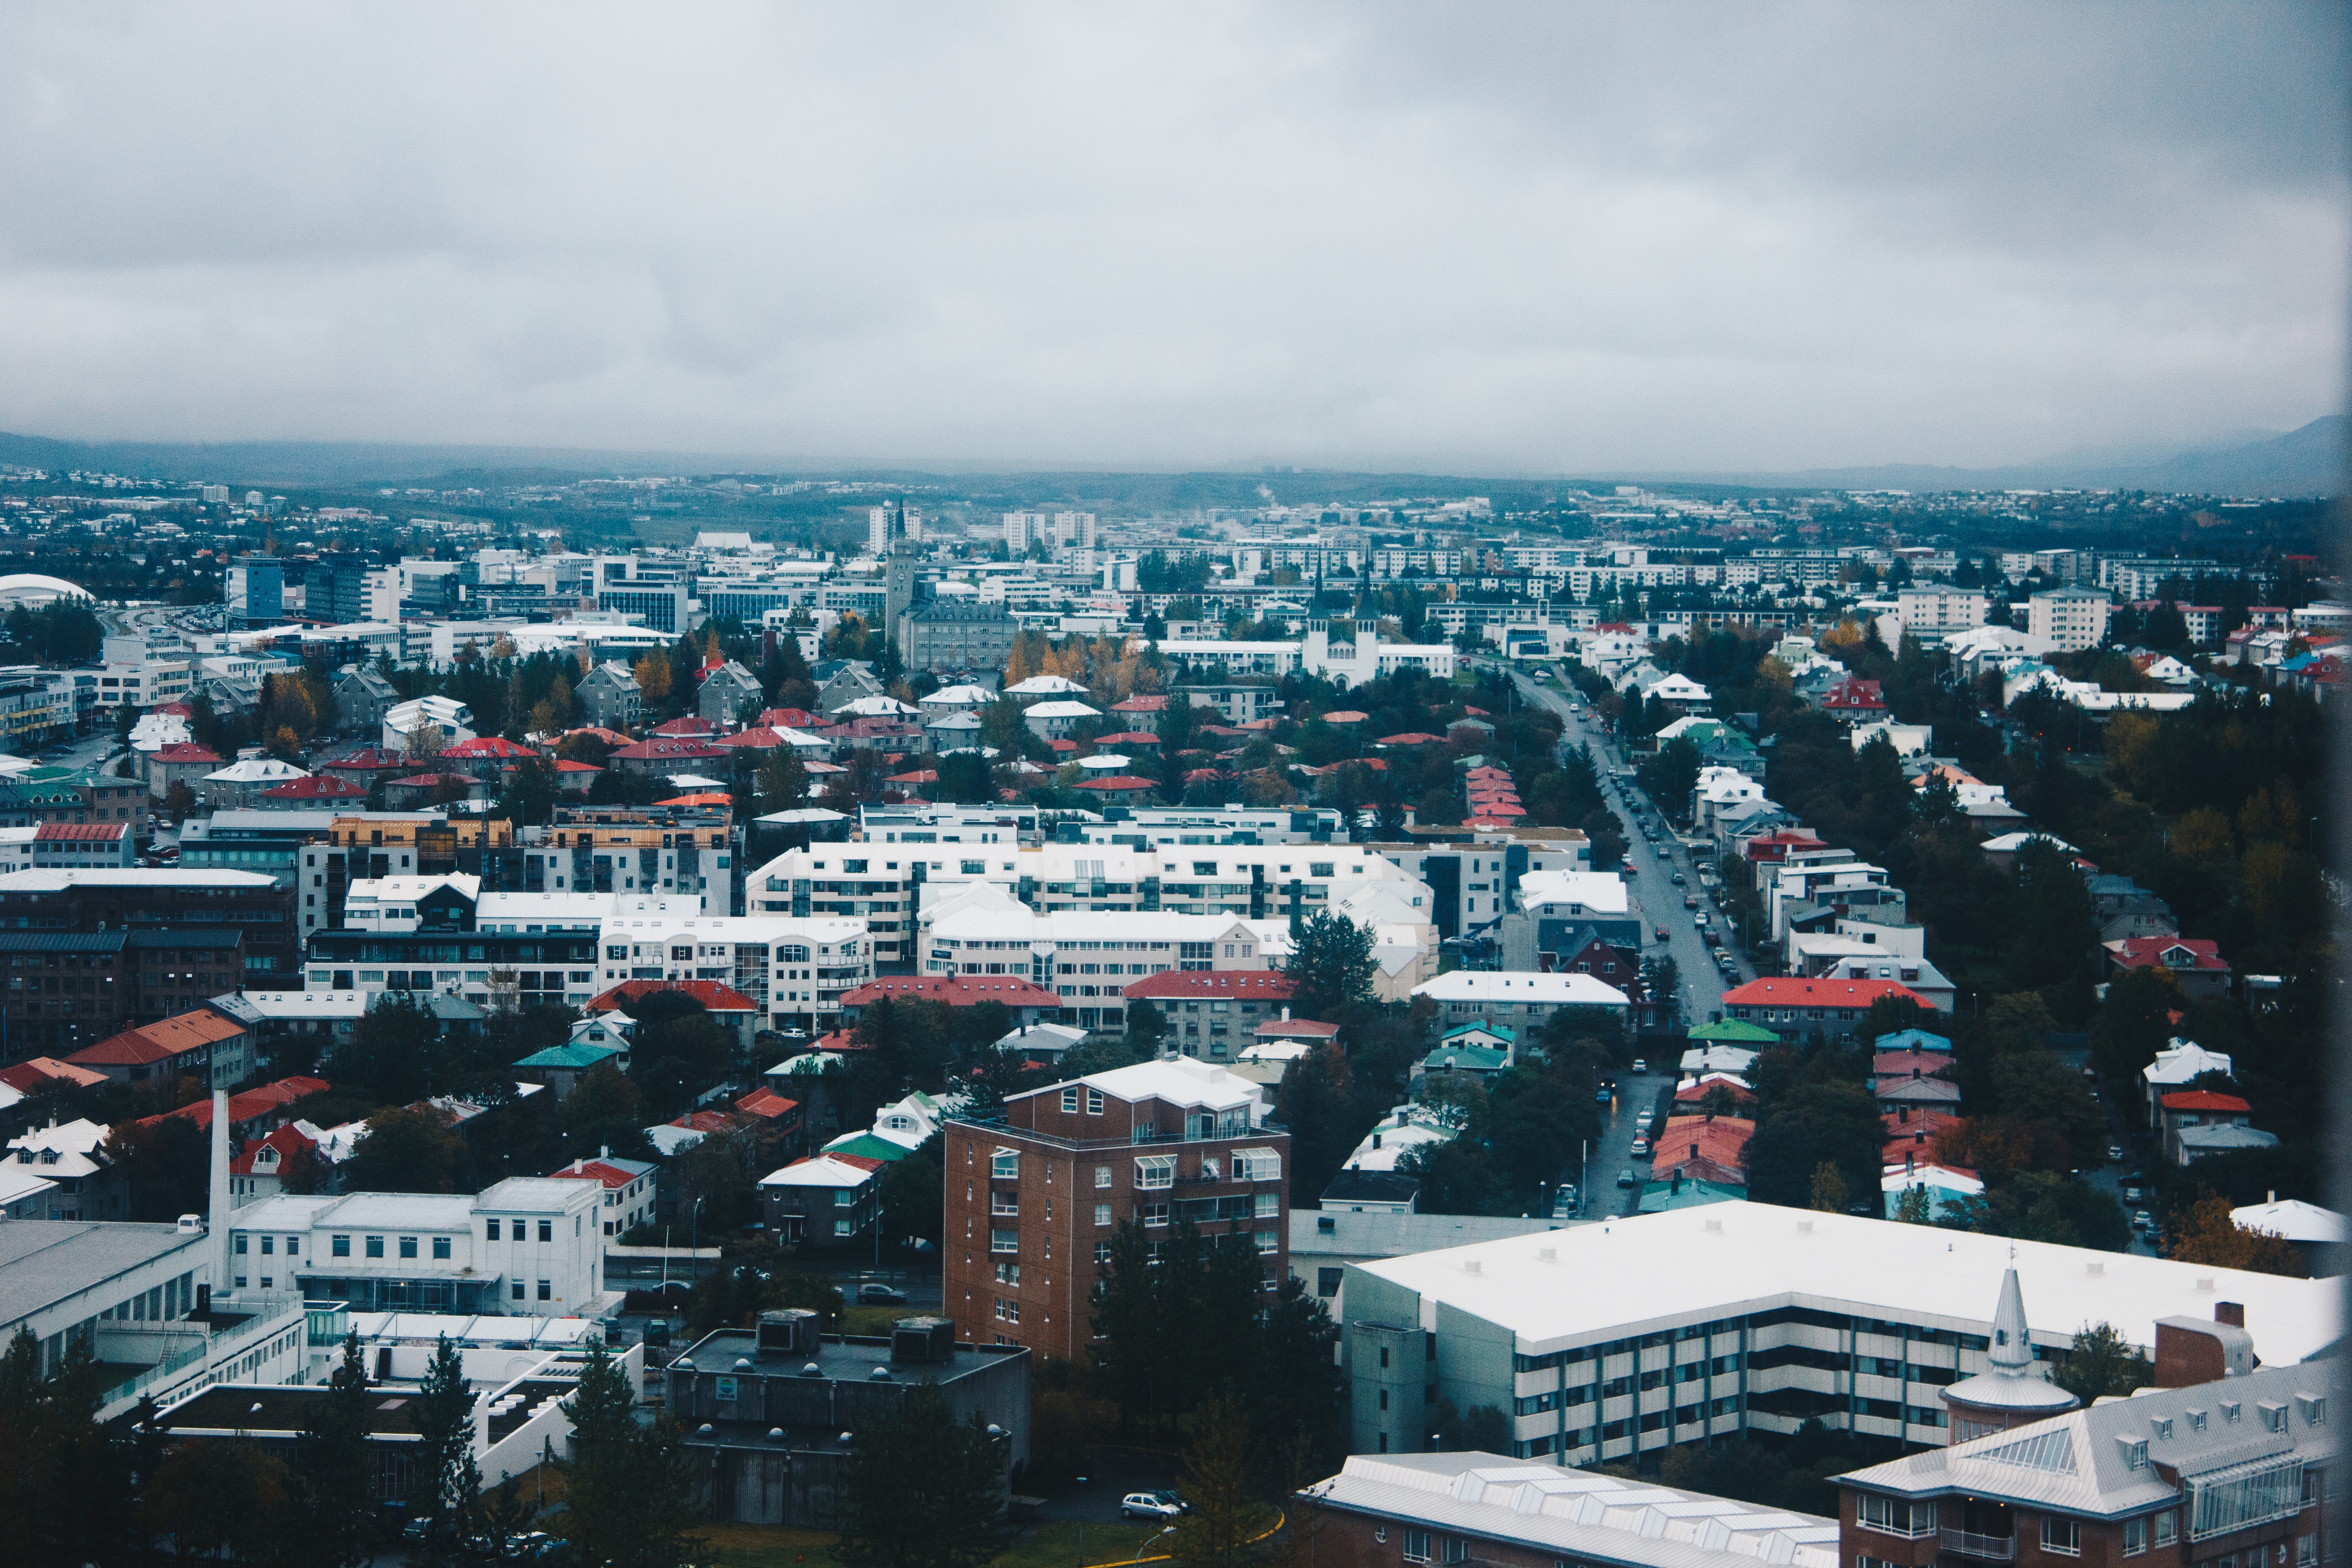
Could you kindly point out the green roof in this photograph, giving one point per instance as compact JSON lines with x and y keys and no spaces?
{"x":868,"y":1146}
{"x":1468,"y":1059}
{"x":1733,"y":1031}
{"x":1659,"y":1196}
{"x":577,"y":1054}
{"x":1500,"y":1031}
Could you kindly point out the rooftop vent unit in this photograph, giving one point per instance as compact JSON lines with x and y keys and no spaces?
{"x":790,"y":1332}
{"x":922,"y":1341}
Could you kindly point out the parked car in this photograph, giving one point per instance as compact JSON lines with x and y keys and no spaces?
{"x":1689,"y":901}
{"x":1641,"y":1064}
{"x":1660,"y":932}
{"x":1604,"y":1095}
{"x":1149,"y":1505}
{"x":2145,"y":1220}
{"x":881,"y":1295}
{"x":1664,"y":853}
{"x":1678,"y":880}
{"x":2132,"y":1191}
{"x":1626,"y":1177}
{"x":1640,"y":1150}
{"x":2115,"y":1151}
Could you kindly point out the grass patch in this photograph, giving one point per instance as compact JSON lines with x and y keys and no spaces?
{"x":873,"y":1320}
{"x":1052,"y":1545}
{"x":1056,"y":1544}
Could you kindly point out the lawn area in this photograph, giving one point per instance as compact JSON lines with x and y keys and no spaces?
{"x":1052,"y":1545}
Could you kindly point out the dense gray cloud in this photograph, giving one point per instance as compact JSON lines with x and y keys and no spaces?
{"x":1493,"y":237}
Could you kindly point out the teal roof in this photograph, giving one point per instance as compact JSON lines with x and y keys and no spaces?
{"x":1912,"y":1040}
{"x":1657,"y":1197}
{"x":574,"y":1054}
{"x":1734,"y":1031}
{"x":1467,"y":1059}
{"x":1500,"y":1031}
{"x":868,"y":1146}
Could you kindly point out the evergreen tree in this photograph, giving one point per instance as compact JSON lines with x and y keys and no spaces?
{"x":1227,"y":1522}
{"x":1331,"y":963}
{"x":334,"y":1465}
{"x":922,"y":1489}
{"x":446,"y":1477}
{"x":597,"y":1484}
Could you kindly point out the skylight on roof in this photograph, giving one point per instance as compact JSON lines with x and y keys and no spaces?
{"x":2053,"y":1450}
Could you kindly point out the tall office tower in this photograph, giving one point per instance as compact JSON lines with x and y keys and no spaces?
{"x":1075,"y":528}
{"x":256,"y":591}
{"x":1020,"y":527}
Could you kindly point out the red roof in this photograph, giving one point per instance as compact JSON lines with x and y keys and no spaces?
{"x":704,"y":797}
{"x":714,"y":997}
{"x":253,"y":1103}
{"x":433,"y":781}
{"x":80,"y":832}
{"x":1297,"y":1029}
{"x":1854,"y":694}
{"x":286,"y":1140}
{"x":159,"y":1041}
{"x":1119,"y":783}
{"x":1692,"y":1093}
{"x":1272,"y":984}
{"x":595,"y":1170}
{"x":688,"y":725}
{"x":2205,"y":1100}
{"x":1824,"y":993}
{"x":371,"y":760}
{"x":1128,"y":738}
{"x":2165,"y":951}
{"x":708,"y":1122}
{"x":920,"y":776}
{"x":790,"y":719}
{"x":32,"y":1076}
{"x":186,"y":751}
{"x":568,"y":766}
{"x":670,"y":749}
{"x":318,"y":786}
{"x":1910,"y":1064}
{"x":488,"y":746}
{"x":758,"y":738}
{"x":1411,"y":737}
{"x":1722,"y":1141}
{"x":767,"y":1105}
{"x":1142,"y":703}
{"x":956,"y":990}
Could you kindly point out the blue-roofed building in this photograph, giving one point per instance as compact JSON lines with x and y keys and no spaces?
{"x":1912,"y":1040}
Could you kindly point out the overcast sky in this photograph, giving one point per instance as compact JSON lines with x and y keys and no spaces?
{"x":1492,"y":238}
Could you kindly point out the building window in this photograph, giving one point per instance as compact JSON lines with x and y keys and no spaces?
{"x":547,"y":1230}
{"x":239,"y":1247}
{"x":1004,"y":1241}
{"x":1326,"y":1283}
{"x":543,"y":1291}
{"x":1155,"y":1171}
{"x":1155,"y":1214}
{"x":1895,"y":1516}
{"x":1102,"y":1253}
{"x":489,"y":1230}
{"x":1457,"y":1549}
{"x":2062,"y":1536}
{"x":338,"y":1246}
{"x":441,"y":1247}
{"x":2134,"y":1537}
{"x":2168,"y":1526}
{"x":1102,"y":1213}
{"x":408,"y":1246}
{"x":1269,"y":1242}
{"x":1004,"y":1166}
{"x":1416,"y":1543}
{"x":1102,"y":1176}
{"x":518,"y":1289}
{"x":1094,"y":1102}
{"x":374,"y":1246}
{"x":1070,"y":1101}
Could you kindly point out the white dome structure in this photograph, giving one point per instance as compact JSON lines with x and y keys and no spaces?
{"x":32,"y":590}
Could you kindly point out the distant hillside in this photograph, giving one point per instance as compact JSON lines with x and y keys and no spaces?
{"x":2306,"y":462}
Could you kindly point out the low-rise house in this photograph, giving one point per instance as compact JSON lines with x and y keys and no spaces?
{"x":207,"y":1045}
{"x":2177,"y":1067}
{"x":185,"y":762}
{"x":362,"y":697}
{"x":560,"y":1068}
{"x":1795,"y":1008}
{"x":627,"y":1184}
{"x":1948,"y":1188}
{"x":1517,"y":999}
{"x":2195,"y":964}
{"x":236,"y":786}
{"x":824,"y":1201}
{"x":1212,"y":1014}
{"x":85,"y":1183}
{"x":729,"y":693}
{"x":2198,"y":1124}
{"x":610,"y":696}
{"x":1026,"y":1003}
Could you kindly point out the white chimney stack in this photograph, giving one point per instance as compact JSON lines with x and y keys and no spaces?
{"x":217,"y":1212}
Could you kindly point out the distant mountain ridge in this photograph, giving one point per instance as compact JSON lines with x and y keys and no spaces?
{"x":2309,"y":462}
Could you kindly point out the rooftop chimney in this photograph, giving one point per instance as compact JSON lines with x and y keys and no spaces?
{"x":2231,"y":1312}
{"x":217,"y":1206}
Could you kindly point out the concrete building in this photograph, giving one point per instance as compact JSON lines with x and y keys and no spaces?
{"x":610,"y":697}
{"x":764,"y":1407}
{"x":528,"y":1247}
{"x":1035,"y":1198}
{"x":1518,"y":1000}
{"x":1739,"y":1316}
{"x":2072,"y":618}
{"x":956,"y":634}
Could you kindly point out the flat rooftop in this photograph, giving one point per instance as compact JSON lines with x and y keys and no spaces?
{"x":1730,"y":1258}
{"x":43,"y":1261}
{"x":839,"y":1359}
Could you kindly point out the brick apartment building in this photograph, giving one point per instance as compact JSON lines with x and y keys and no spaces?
{"x":141,"y":900}
{"x":2221,"y":1465}
{"x":1033,"y":1199}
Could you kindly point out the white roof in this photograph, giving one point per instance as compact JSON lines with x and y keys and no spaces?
{"x":2184,"y":1061}
{"x":408,"y":890}
{"x":1602,"y":892}
{"x":585,"y":911}
{"x":2009,"y":843}
{"x":1052,"y":1036}
{"x":18,"y":1183}
{"x":1060,"y":710}
{"x":2292,"y":1218}
{"x":1044,"y":686}
{"x":1731,"y":1257}
{"x":1733,"y":1059}
{"x":875,"y":707}
{"x":1488,"y":986}
{"x":1943,"y":1178}
{"x":53,"y":879}
{"x":306,"y":1003}
{"x":1179,"y":1081}
{"x":1573,"y":1515}
{"x":258,"y":770}
{"x":819,"y":1170}
{"x":949,"y":696}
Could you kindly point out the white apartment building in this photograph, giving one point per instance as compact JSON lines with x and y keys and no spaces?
{"x":1347,"y":652}
{"x":888,"y":884}
{"x":390,"y":903}
{"x":1021,"y":528}
{"x":145,"y":684}
{"x":2072,"y":618}
{"x":528,"y":1247}
{"x":1933,"y":609}
{"x":1088,"y":959}
{"x":795,"y":968}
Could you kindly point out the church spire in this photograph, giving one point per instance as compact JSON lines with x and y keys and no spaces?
{"x":2013,"y":1346}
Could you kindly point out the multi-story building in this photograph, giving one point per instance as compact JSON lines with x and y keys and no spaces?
{"x":2233,"y":1466}
{"x":2072,"y":618}
{"x":611,"y":695}
{"x":637,"y":849}
{"x":1383,"y":1509}
{"x":528,"y":1247}
{"x":796,"y":969}
{"x":255,"y":592}
{"x":142,"y":899}
{"x":1741,"y":1317}
{"x":959,"y":633}
{"x":653,"y":595}
{"x":1036,"y":1197}
{"x":1474,"y":877}
{"x":1087,"y":960}
{"x":1932,"y":610}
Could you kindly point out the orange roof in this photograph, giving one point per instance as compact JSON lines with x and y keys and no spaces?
{"x":2205,"y":1100}
{"x":766,"y":1104}
{"x":37,"y":1073}
{"x":160,"y":1041}
{"x":714,"y":997}
{"x":1721,"y":1142}
{"x":707,"y":797}
{"x":1119,"y":783}
{"x":568,"y":766}
{"x":251,"y":1103}
{"x":82,"y":832}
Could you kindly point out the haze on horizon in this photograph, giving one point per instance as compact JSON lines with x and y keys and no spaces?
{"x":1510,"y":239}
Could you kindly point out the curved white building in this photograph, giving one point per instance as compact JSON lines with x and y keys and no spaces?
{"x":32,"y":590}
